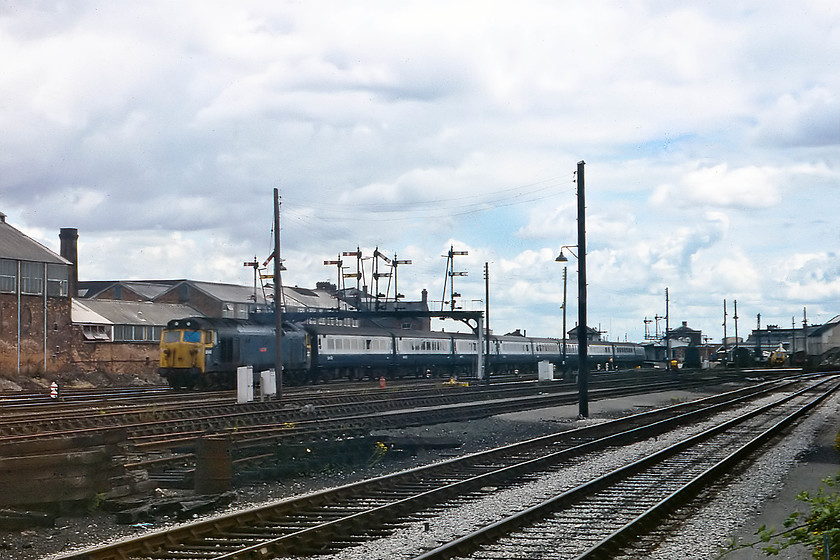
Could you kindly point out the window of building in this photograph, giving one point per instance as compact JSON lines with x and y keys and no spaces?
{"x":137,"y":333}
{"x":96,"y":332}
{"x":31,"y":278}
{"x":8,"y":276}
{"x":58,"y":284}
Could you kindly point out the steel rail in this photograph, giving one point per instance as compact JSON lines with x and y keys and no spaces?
{"x":606,"y":547}
{"x":643,"y":523}
{"x":488,"y":463}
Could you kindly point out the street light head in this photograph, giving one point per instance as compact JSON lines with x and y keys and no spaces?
{"x":561,"y":257}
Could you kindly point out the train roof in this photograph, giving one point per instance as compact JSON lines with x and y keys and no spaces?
{"x":373,"y":331}
{"x":199,"y":322}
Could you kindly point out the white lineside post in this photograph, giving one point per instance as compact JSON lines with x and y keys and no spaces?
{"x":244,"y":384}
{"x":268,"y":387}
{"x":545,"y":371}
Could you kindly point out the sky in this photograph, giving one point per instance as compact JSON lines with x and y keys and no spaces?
{"x":710,"y":132}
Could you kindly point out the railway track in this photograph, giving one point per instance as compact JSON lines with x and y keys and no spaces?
{"x":516,"y":495}
{"x":148,"y":413}
{"x":160,"y":437}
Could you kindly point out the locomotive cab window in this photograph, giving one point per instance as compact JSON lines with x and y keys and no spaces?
{"x":192,"y":336}
{"x":172,"y":336}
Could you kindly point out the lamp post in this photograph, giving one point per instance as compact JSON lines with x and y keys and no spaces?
{"x":562,"y":258}
{"x":565,"y":270}
{"x":583,"y":365}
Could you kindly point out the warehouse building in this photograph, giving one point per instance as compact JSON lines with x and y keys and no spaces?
{"x":35,"y":318}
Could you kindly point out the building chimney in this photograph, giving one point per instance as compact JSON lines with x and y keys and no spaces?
{"x":70,"y":250}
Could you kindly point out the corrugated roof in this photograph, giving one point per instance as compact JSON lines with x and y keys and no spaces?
{"x":16,"y":245}
{"x":311,"y":299}
{"x":82,"y":314}
{"x":148,"y":289}
{"x":820,"y":330}
{"x":129,"y":312}
{"x":228,"y":292}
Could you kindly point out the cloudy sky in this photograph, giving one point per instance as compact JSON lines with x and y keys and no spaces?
{"x":710,"y":131}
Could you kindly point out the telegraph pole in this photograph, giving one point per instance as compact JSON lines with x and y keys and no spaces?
{"x":735,"y":318}
{"x":487,"y":321}
{"x":583,"y":366}
{"x":667,"y":332}
{"x":278,"y":297}
{"x":725,"y":346}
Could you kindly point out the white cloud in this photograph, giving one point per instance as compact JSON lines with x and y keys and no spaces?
{"x":718,"y":186}
{"x":809,"y":119}
{"x":709,"y":132}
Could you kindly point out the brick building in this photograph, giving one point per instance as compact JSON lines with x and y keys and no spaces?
{"x":35,"y":320}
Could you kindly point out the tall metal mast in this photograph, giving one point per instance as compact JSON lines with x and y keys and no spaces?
{"x":583,"y":365}
{"x":278,"y":300}
{"x":450,"y":274}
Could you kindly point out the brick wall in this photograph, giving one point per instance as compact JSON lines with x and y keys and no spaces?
{"x":121,"y":358}
{"x":67,"y":351}
{"x":59,"y":334}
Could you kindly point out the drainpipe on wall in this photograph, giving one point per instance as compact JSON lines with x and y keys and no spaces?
{"x":18,"y":317}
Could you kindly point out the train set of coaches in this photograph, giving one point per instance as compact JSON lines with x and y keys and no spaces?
{"x":205,"y":352}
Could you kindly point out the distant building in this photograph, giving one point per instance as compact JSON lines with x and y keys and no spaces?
{"x":768,"y":339}
{"x":686,"y":335}
{"x":35,"y":321}
{"x":824,"y":338}
{"x":120,"y":336}
{"x":592,"y":335}
{"x":812,"y":340}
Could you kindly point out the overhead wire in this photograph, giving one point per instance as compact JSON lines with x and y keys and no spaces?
{"x":439,"y":207}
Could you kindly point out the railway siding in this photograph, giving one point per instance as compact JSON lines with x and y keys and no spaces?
{"x":371,"y":507}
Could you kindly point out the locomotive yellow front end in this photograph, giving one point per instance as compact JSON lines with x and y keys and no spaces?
{"x":183,"y":346}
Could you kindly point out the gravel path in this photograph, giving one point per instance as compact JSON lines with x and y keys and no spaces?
{"x":765,"y":495}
